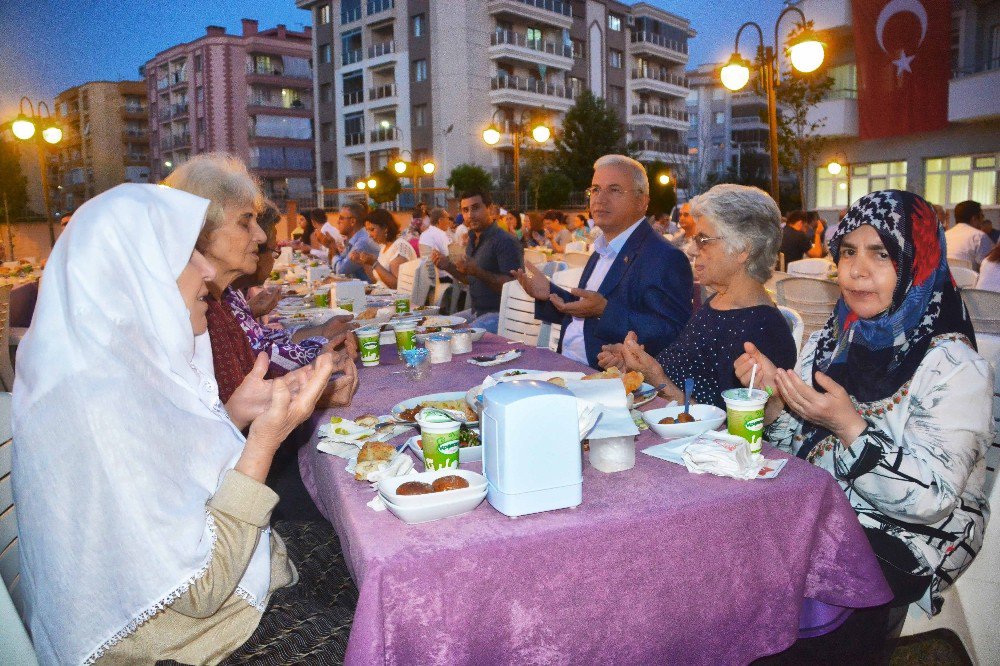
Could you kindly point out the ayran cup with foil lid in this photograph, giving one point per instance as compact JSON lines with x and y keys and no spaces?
{"x":745,"y":415}
{"x":369,"y":346}
{"x":461,"y":342}
{"x":439,"y":346}
{"x":439,"y":439}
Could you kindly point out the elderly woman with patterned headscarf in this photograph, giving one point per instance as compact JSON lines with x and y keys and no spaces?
{"x":892,"y":399}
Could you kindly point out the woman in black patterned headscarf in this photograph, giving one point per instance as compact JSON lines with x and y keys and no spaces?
{"x":893,"y":399}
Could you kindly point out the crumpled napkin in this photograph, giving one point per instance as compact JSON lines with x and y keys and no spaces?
{"x":499,"y":360}
{"x":400,"y":465}
{"x":723,"y":454}
{"x":344,"y":437}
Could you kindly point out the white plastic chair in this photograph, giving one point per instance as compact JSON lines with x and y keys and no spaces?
{"x":6,"y":367}
{"x":576,"y":246}
{"x":567,"y":279}
{"x":776,"y":277}
{"x":795,"y":323}
{"x":812,"y":299}
{"x":15,"y":646}
{"x":984,"y":310}
{"x":415,"y":279}
{"x":955,"y":262}
{"x":517,"y":315}
{"x":576,"y":259}
{"x":536,"y":257}
{"x":811,"y":267}
{"x":972,"y":605}
{"x":965,"y":278}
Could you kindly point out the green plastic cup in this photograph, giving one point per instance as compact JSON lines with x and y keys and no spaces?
{"x":403,"y":304}
{"x":368,"y":344}
{"x":321,"y":299}
{"x":439,"y":441}
{"x":745,"y":415}
{"x":406,"y":336}
{"x":346,"y":304}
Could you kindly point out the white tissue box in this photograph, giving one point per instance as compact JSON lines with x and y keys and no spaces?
{"x":350,"y":290}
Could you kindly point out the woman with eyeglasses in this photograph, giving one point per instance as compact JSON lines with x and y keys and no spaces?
{"x":736,"y":240}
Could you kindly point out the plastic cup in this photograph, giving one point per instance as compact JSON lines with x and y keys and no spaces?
{"x":403,"y":304}
{"x":745,"y":415}
{"x":612,"y":454}
{"x":346,"y":304}
{"x":368,"y":344}
{"x":406,"y":336}
{"x":321,"y":299}
{"x":439,"y":346}
{"x":439,"y":441}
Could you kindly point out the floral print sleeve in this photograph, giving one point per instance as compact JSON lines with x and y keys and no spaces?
{"x":277,"y":343}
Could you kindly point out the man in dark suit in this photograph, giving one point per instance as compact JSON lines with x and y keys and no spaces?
{"x":635,"y":280}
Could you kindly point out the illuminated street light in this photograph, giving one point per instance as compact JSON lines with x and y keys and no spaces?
{"x":25,"y":127}
{"x":372,"y":183}
{"x":664,"y":179}
{"x":539,"y":131}
{"x":428,"y":168}
{"x":360,"y":185}
{"x":491,"y":135}
{"x":806,"y":52}
{"x":834,"y":168}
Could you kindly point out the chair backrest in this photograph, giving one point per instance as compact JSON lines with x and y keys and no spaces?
{"x":984,"y":310}
{"x":15,"y":646}
{"x":955,"y":262}
{"x":809,"y":267}
{"x":517,"y":315}
{"x":550,"y":268}
{"x":776,"y":277}
{"x":965,"y":278}
{"x":576,"y":246}
{"x":567,"y":279}
{"x":812,"y":299}
{"x":6,"y":368}
{"x":795,"y":323}
{"x":576,"y":259}
{"x":415,"y":280}
{"x":535,"y":256}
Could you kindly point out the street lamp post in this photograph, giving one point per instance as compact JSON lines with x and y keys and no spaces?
{"x":25,"y":128}
{"x":539,"y":131}
{"x":415,"y":171}
{"x":806,"y":53}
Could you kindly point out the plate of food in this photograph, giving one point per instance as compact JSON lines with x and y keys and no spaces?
{"x":406,"y":410}
{"x":470,"y":448}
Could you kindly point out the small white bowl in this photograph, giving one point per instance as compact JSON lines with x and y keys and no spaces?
{"x":477,"y":333}
{"x":709,"y":417}
{"x":412,"y":515}
{"x":387,"y":488}
{"x":426,"y":310}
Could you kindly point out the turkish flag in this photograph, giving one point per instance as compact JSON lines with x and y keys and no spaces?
{"x":904,"y":63}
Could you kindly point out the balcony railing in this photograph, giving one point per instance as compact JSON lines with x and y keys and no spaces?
{"x":165,"y":143}
{"x":557,"y":6}
{"x":354,"y":138}
{"x":659,"y":40}
{"x":180,"y":140}
{"x":260,"y":100}
{"x":530,"y":85}
{"x":662,"y":77}
{"x":385,"y":48}
{"x":138,"y":157}
{"x":657,"y":110}
{"x":382,"y":91}
{"x":135,"y":109}
{"x":179,"y":110}
{"x":748,"y":120}
{"x":351,"y":57}
{"x":516,"y":39}
{"x":165,"y":113}
{"x":178,"y":78}
{"x":655,"y":146}
{"x":136,"y":132}
{"x":354,"y":97}
{"x":275,"y":71}
{"x":350,"y":15}
{"x":384,"y":134}
{"x":376,"y":6}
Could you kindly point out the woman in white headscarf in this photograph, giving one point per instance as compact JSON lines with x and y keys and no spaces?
{"x":142,"y":509}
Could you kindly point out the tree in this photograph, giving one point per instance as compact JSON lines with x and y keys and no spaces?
{"x":387,"y":188}
{"x":551,"y":189}
{"x":590,"y":129}
{"x":799,"y":141}
{"x":13,"y":184}
{"x":467,"y":177}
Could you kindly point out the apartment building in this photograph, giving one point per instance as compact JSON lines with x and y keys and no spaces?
{"x":727,"y":131}
{"x":248,"y":94}
{"x":958,"y":162}
{"x":423,"y":79}
{"x":105,"y":141}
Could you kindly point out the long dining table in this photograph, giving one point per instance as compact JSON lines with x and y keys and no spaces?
{"x":656,"y":565}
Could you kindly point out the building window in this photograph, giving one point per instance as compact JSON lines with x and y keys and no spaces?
{"x":197,"y":62}
{"x":281,"y":127}
{"x":951,"y":180}
{"x":720,"y":118}
{"x":418,"y":25}
{"x":616,"y":58}
{"x":326,"y":131}
{"x":718,"y":94}
{"x":533,"y":37}
{"x":420,"y":115}
{"x":420,"y":70}
{"x":831,"y":191}
{"x":579,"y":49}
{"x":614,"y":22}
{"x":324,"y":54}
{"x":328,"y":171}
{"x":867,"y":178}
{"x":326,"y":93}
{"x":350,"y":10}
{"x":616,"y":95}
{"x":323,"y":15}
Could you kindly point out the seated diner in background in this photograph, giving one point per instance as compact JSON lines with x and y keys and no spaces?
{"x":557,"y":235}
{"x":351,"y":223}
{"x":894,"y":401}
{"x":737,"y":234}
{"x":989,"y":271}
{"x":394,"y":251}
{"x":966,"y":241}
{"x":634,"y":280}
{"x":156,"y":517}
{"x":796,"y":243}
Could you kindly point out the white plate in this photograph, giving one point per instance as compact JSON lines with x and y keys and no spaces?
{"x":466,"y":454}
{"x":709,"y":417}
{"x":477,"y":333}
{"x":413,"y":402}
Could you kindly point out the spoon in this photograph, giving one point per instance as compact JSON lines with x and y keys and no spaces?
{"x":641,"y":395}
{"x":753,"y":375}
{"x":688,"y":389}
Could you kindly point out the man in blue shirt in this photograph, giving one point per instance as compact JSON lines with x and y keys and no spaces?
{"x":634,"y":281}
{"x":351,"y":225}
{"x":491,"y":256}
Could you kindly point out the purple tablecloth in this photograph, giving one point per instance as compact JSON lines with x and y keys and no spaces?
{"x":657,"y":564}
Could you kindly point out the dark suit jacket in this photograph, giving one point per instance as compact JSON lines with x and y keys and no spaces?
{"x":648,"y":288}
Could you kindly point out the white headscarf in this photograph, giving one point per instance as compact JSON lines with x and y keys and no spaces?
{"x":119,"y":435}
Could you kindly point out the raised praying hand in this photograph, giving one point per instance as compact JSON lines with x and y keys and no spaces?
{"x":590,"y":304}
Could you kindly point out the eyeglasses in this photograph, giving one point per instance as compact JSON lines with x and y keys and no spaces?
{"x":612,"y":190}
{"x":701,"y":240}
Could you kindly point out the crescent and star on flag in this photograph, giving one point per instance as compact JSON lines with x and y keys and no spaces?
{"x":892,"y":8}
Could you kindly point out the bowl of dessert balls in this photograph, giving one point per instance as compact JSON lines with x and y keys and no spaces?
{"x":671,"y":422}
{"x":420,"y":498}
